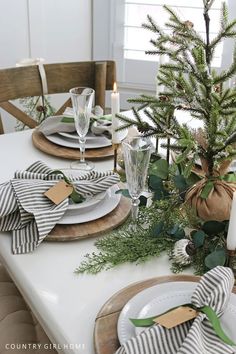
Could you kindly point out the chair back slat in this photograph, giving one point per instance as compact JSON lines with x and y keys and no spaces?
{"x":100,"y":83}
{"x":63,"y":107}
{"x":1,"y":126}
{"x":18,"y":114}
{"x":25,"y":81}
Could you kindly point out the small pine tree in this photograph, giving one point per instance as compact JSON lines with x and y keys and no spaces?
{"x":190,"y":84}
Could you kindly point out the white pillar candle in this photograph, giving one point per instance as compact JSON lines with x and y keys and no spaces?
{"x":115,"y":108}
{"x":231,"y":237}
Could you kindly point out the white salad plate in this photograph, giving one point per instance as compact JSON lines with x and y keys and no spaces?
{"x":89,"y":203}
{"x":160,"y":298}
{"x":104,"y":207}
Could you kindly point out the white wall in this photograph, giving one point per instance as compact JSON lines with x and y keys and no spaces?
{"x":56,"y":30}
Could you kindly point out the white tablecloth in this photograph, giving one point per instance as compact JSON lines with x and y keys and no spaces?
{"x":66,"y":304}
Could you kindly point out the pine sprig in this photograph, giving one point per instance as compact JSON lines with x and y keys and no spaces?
{"x":190,"y":84}
{"x":123,"y":245}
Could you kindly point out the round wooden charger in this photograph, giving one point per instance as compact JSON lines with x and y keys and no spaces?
{"x":41,"y":143}
{"x":105,"y":331}
{"x":92,"y":228}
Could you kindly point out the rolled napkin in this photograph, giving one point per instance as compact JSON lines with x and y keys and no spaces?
{"x":29,"y":214}
{"x":56,"y":124}
{"x":192,"y":337}
{"x":65,"y":123}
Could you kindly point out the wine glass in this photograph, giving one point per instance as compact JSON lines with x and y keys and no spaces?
{"x":137,"y":152}
{"x":82,"y":101}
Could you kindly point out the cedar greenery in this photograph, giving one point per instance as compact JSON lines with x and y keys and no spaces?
{"x":191,"y":85}
{"x":160,"y":225}
{"x":123,"y":245}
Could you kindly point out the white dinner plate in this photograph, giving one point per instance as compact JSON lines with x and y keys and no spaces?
{"x":160,"y":298}
{"x":92,"y":141}
{"x":90,"y":136}
{"x":104,"y":207}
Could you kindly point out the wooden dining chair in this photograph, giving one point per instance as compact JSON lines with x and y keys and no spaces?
{"x":18,"y":325}
{"x":20,"y":82}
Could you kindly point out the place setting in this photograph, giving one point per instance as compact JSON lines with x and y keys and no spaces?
{"x":63,"y":135}
{"x":40,"y":203}
{"x":168,"y":314}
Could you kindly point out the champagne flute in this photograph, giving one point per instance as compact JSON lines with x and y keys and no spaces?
{"x":82,"y":101}
{"x":137,"y":152}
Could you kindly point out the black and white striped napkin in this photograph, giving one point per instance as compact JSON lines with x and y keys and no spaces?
{"x":31,"y":216}
{"x":192,"y":337}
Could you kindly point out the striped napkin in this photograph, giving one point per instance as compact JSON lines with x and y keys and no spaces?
{"x":31,"y":216}
{"x":192,"y":337}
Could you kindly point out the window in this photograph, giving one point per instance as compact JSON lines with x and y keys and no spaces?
{"x":136,"y":39}
{"x":118,"y":35}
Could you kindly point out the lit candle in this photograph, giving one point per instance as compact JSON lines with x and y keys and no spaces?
{"x":115,"y":108}
{"x":231,"y":237}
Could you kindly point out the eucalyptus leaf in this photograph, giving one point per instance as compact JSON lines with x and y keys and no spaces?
{"x":159,"y":168}
{"x":198,"y":238}
{"x":176,"y":231}
{"x":76,"y":197}
{"x":155,"y":182}
{"x":157,"y":229}
{"x":160,"y":194}
{"x":192,"y":179}
{"x":180,"y":233}
{"x":213,"y":227}
{"x":216,"y":258}
{"x":173,"y":230}
{"x":180,"y":183}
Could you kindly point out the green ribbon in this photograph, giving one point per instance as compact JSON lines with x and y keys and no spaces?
{"x":215,"y":322}
{"x":67,"y":120}
{"x":75,"y":196}
{"x":207,"y":310}
{"x":230,"y":177}
{"x":71,"y":119}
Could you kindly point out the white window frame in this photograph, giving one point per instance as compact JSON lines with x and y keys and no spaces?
{"x":134,"y":76}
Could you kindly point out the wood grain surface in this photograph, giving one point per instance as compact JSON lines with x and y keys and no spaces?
{"x":41,"y":143}
{"x":92,"y":228}
{"x":105,"y":331}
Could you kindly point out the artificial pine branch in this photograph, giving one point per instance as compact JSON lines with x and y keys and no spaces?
{"x":190,"y":84}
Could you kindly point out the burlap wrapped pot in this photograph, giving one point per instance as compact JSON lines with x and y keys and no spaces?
{"x":218,"y":203}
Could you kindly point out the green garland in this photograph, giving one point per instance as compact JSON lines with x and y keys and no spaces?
{"x":160,"y":226}
{"x":122,"y":245}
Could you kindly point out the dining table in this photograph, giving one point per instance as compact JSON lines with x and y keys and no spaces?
{"x":64,"y":302}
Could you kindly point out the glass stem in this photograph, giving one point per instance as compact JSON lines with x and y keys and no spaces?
{"x":134,"y":212}
{"x":82,"y":149}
